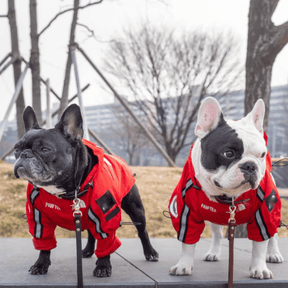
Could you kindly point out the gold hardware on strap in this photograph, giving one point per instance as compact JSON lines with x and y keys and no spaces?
{"x":232,"y":210}
{"x":76,"y":206}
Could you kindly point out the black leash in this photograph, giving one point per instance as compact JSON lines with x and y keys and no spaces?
{"x":77,"y":215}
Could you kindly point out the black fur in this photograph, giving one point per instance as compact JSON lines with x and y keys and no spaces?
{"x":216,"y":143}
{"x":68,"y":134}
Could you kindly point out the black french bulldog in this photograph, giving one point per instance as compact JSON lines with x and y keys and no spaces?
{"x":56,"y":162}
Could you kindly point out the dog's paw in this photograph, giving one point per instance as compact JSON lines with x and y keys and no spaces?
{"x":152,"y":255}
{"x":260,"y":272}
{"x":274,"y":258}
{"x":103,"y":267}
{"x":181,"y":270}
{"x":102,"y":271}
{"x":210,"y":256}
{"x":39,"y":268}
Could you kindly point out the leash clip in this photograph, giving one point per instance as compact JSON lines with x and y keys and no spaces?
{"x":76,"y":207}
{"x":232,"y":210}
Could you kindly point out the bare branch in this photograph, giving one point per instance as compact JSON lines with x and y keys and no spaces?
{"x":169,"y":75}
{"x":93,"y":34}
{"x":281,"y":36}
{"x":63,"y":12}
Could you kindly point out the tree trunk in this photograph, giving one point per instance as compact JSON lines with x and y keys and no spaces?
{"x":265,"y":41}
{"x":34,"y":60}
{"x":20,"y":103}
{"x":65,"y":91}
{"x":131,"y":158}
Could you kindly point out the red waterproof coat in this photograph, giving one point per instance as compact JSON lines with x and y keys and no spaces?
{"x":189,"y":207}
{"x":110,"y":180}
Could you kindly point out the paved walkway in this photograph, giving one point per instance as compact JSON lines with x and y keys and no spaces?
{"x":130,"y":269}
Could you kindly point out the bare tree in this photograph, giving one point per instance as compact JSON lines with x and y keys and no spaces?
{"x":265,"y":41}
{"x":168,"y":75}
{"x":35,"y":55}
{"x":130,"y":135}
{"x":65,"y":90}
{"x":35,"y":60}
{"x":20,"y":104}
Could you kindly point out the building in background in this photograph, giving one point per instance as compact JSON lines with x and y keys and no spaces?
{"x":113,"y":125}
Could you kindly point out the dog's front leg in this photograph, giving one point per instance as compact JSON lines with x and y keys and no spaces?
{"x":42,"y":264}
{"x":103,"y":267}
{"x":186,"y":262}
{"x":258,"y":267}
{"x":214,"y":252}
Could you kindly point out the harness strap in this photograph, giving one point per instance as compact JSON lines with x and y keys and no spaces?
{"x":223,"y":199}
{"x":71,"y":196}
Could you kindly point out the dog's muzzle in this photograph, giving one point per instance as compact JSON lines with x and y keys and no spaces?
{"x":249,"y":170}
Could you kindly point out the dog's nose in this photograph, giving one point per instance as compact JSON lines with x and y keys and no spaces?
{"x":248,"y":167}
{"x":26,"y":154}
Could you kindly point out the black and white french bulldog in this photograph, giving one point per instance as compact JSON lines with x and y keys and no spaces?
{"x":229,"y":160}
{"x":55,"y":162}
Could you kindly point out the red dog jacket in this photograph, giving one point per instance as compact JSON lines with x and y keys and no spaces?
{"x":189,"y":207}
{"x":110,"y":180}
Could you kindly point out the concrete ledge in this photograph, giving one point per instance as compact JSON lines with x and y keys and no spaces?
{"x":130,"y":269}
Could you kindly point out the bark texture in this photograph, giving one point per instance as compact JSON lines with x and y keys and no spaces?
{"x":20,"y":103}
{"x":265,"y":41}
{"x":65,"y":91}
{"x":35,"y":61}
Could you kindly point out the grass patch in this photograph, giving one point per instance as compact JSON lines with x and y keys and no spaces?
{"x":156,"y":185}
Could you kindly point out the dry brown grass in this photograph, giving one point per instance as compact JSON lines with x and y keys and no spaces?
{"x":155,"y":185}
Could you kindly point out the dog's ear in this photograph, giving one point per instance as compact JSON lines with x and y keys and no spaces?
{"x":209,"y":115}
{"x":30,"y":120}
{"x":257,"y":115}
{"x":71,"y":123}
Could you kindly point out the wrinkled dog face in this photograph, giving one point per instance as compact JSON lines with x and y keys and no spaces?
{"x":46,"y":157}
{"x":229,"y":156}
{"x":41,"y":159}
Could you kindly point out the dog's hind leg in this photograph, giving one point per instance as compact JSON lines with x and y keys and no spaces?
{"x":133,"y":206}
{"x":88,"y":251}
{"x":214,"y":252}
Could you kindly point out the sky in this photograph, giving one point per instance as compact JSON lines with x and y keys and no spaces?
{"x":107,"y":20}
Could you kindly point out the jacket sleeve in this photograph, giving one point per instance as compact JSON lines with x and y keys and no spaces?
{"x":105,"y":216}
{"x":266,"y":220}
{"x":40,"y":227}
{"x":185,"y":220}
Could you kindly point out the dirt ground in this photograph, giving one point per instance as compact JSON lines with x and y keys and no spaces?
{"x":155,"y":185}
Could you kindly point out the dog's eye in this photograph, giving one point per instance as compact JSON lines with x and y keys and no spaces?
{"x":230,"y":154}
{"x":263,"y":155}
{"x":45,"y":149}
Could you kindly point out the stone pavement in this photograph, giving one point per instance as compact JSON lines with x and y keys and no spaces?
{"x":130,"y":269}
